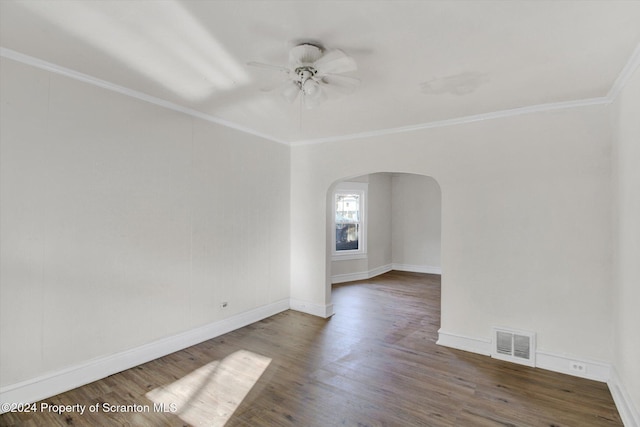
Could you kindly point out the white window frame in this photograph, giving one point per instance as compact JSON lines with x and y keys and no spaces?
{"x":360,"y":188}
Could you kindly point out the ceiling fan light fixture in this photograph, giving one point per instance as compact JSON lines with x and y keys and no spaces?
{"x":314,"y":73}
{"x":312,"y":101}
{"x":311,"y":87}
{"x":290,"y":91}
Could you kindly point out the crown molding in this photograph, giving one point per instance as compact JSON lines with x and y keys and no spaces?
{"x":67,"y":72}
{"x":632,"y":64}
{"x":462,"y":120}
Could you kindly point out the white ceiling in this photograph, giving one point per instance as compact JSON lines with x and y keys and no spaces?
{"x":420,"y":62}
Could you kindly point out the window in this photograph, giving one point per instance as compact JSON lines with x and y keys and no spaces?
{"x":349,"y":237}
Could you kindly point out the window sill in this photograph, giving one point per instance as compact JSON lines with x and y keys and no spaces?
{"x":346,"y":257}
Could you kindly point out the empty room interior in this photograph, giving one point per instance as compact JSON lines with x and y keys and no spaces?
{"x":320,"y":213}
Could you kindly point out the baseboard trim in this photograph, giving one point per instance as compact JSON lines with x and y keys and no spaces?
{"x":597,"y":371}
{"x":628,"y":411}
{"x":314,"y":309}
{"x":350,"y":277}
{"x":53,"y":383}
{"x":461,"y":342}
{"x":417,"y":268}
{"x":363,"y":275}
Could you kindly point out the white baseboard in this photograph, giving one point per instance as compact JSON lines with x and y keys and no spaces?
{"x":597,"y":371}
{"x":626,"y":408}
{"x":363,"y":275}
{"x":461,"y":342}
{"x":349,"y":277}
{"x":417,"y":268}
{"x":324,"y":311}
{"x":53,"y":383}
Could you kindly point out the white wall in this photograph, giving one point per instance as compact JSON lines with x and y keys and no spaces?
{"x":123,"y":223}
{"x":379,"y":224}
{"x":626,"y":167}
{"x":526,"y":236}
{"x":416,"y":222}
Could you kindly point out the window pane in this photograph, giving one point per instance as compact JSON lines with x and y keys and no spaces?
{"x":347,"y":237}
{"x":347,"y":222}
{"x":347,"y":208}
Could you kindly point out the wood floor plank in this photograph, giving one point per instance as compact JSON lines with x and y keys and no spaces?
{"x":374,"y":363}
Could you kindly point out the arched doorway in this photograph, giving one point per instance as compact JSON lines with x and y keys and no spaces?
{"x":402,"y":227}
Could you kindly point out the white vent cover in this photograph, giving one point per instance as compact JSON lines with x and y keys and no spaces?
{"x":514,"y":346}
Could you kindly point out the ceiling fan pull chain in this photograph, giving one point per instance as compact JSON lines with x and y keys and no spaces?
{"x":300,"y":111}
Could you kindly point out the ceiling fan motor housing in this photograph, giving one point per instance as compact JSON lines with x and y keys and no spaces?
{"x":305,"y":73}
{"x":304,"y":54}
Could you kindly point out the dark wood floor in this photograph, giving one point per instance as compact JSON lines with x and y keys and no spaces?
{"x":375,"y":363}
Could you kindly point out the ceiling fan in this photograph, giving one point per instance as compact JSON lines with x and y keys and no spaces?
{"x":314,"y":73}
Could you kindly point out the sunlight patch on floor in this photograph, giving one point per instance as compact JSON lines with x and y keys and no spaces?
{"x":209,"y":395}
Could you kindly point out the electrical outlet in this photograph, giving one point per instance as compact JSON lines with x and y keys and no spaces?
{"x":578,"y":367}
{"x":224,"y":304}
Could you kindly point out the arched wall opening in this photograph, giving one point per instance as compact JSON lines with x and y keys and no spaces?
{"x":516,"y":199}
{"x":402,"y":223}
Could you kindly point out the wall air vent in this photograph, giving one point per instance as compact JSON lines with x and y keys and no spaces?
{"x":514,"y":346}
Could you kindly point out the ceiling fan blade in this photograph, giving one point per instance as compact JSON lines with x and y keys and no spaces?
{"x":290,"y":90}
{"x":275,"y":85}
{"x":342,"y":84}
{"x":268,"y":66}
{"x":335,"y":61}
{"x":312,"y":101}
